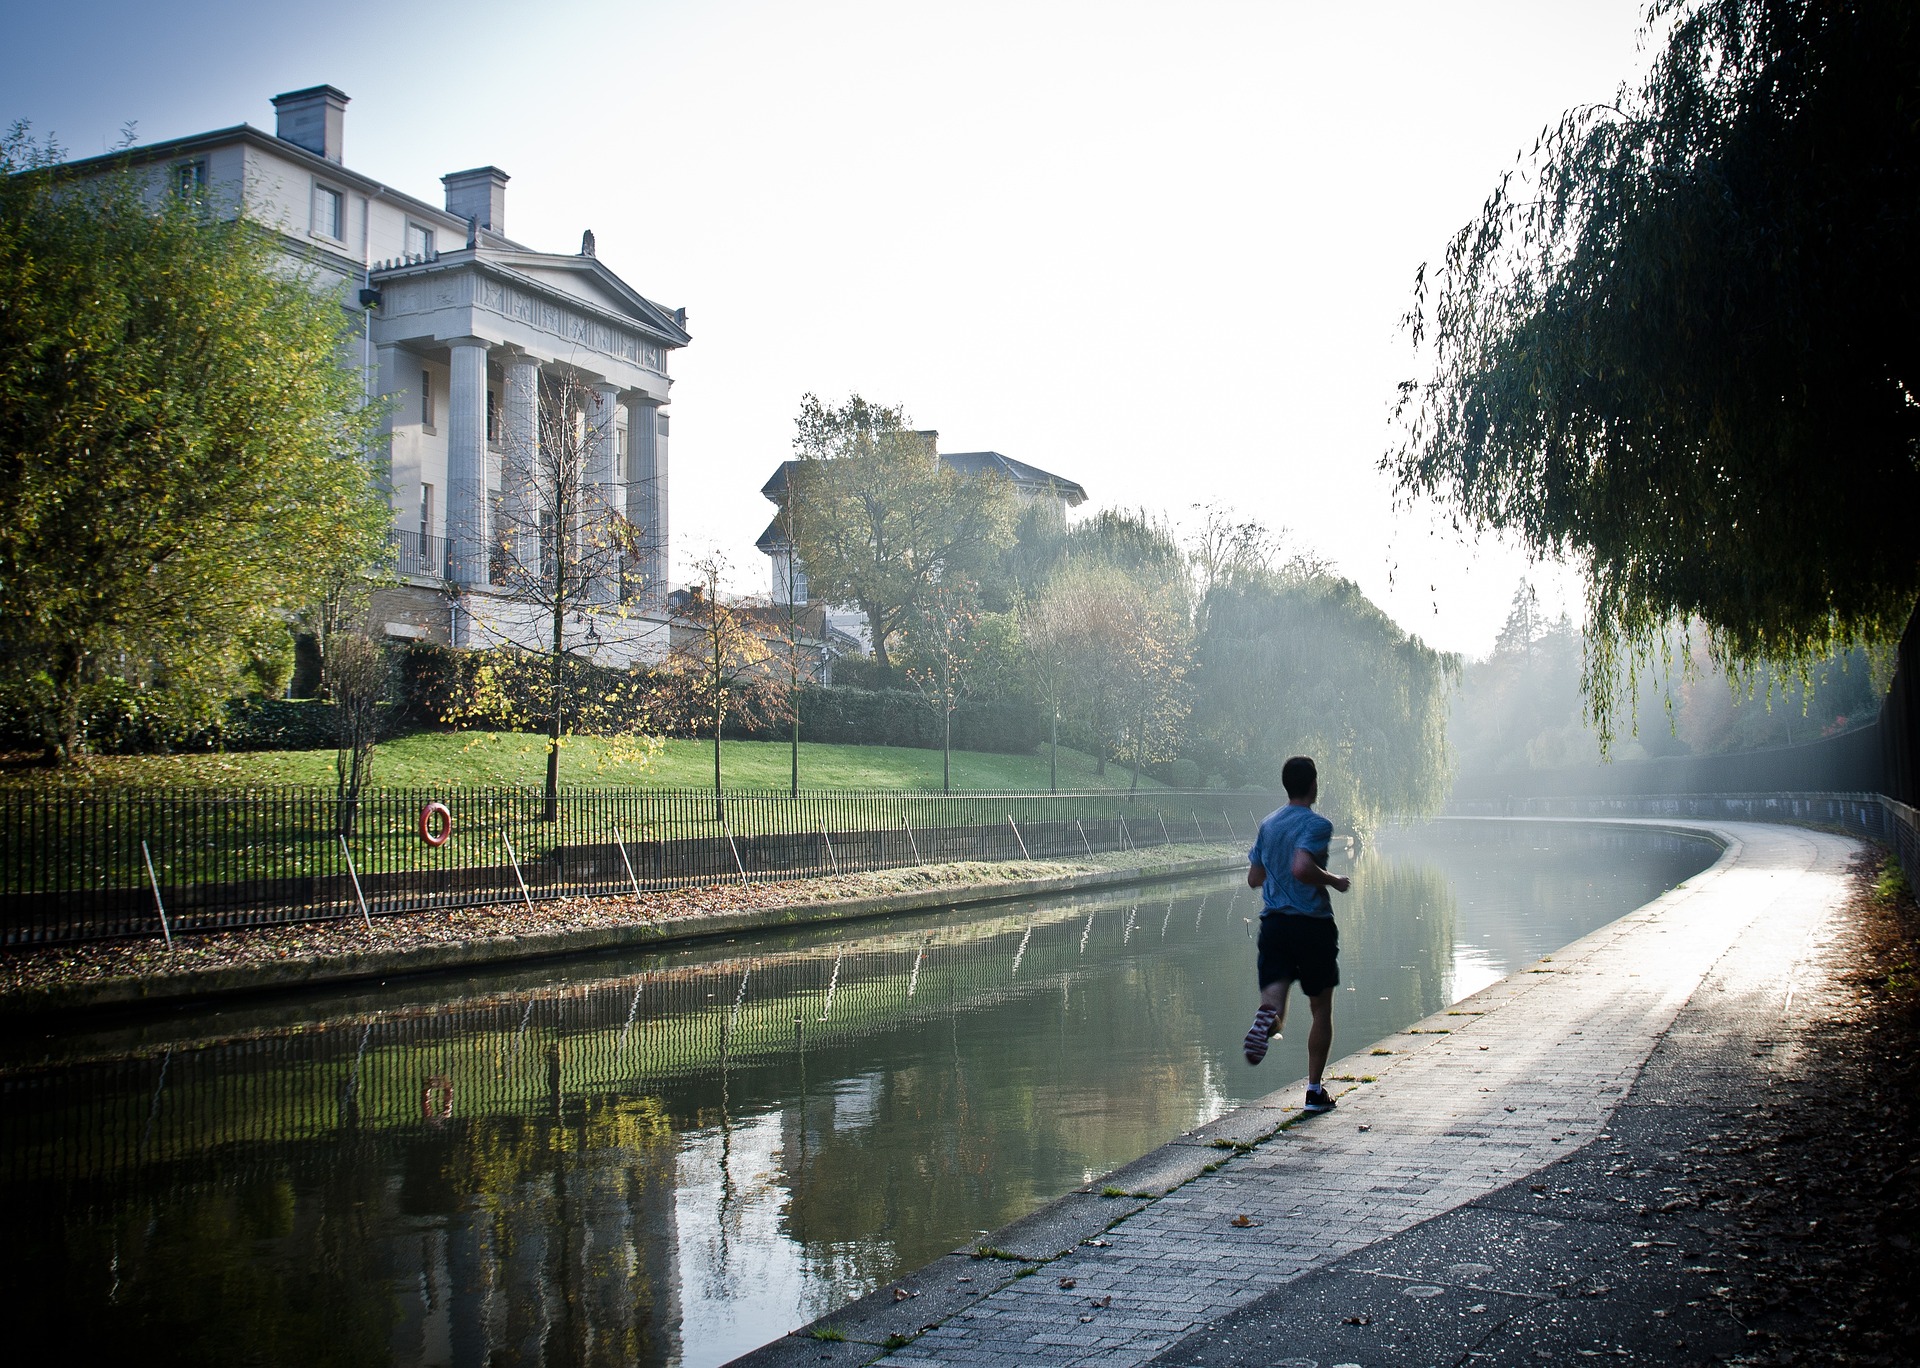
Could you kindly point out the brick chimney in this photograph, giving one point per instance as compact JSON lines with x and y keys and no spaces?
{"x":314,"y":118}
{"x":480,"y":195}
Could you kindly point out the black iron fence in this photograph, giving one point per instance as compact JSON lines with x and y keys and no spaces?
{"x":79,"y":867}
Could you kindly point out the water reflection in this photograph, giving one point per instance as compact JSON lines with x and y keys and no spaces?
{"x":674,"y":1157}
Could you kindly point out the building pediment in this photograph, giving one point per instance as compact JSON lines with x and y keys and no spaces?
{"x":480,"y":293}
{"x":587,"y":280}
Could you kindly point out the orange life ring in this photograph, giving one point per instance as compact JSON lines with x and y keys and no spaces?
{"x":436,"y":1099}
{"x":436,"y":824}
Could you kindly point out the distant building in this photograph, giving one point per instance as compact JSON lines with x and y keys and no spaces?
{"x":789,"y":576}
{"x":467,"y":332}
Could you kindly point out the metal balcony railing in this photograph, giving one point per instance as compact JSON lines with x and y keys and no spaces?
{"x":419,"y":553}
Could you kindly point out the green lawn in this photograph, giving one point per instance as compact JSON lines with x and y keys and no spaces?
{"x":463,"y":759}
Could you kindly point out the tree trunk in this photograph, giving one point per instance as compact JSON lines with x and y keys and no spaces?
{"x":551,"y":810}
{"x":1139,"y":751}
{"x":1053,"y":761}
{"x":68,"y":741}
{"x":878,"y":633}
{"x":719,"y":800}
{"x":946,"y":751}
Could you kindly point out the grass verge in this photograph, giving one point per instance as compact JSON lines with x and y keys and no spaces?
{"x":506,"y":759}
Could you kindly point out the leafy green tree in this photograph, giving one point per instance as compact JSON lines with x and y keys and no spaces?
{"x":1676,"y":348}
{"x":1073,"y":633}
{"x":1137,"y":541}
{"x":1306,"y":664}
{"x":1150,"y":672}
{"x":881,"y":520}
{"x":941,"y":649}
{"x":358,"y":678}
{"x":724,"y":660}
{"x":182,"y":454}
{"x":1520,"y":708}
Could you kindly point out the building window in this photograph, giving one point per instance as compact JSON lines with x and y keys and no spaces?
{"x":329,"y":213}
{"x":426,"y":400}
{"x":493,"y":417}
{"x":620,"y":472}
{"x":419,"y":242}
{"x":426,"y":517}
{"x":190,"y":178}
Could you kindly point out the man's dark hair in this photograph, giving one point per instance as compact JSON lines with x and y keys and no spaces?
{"x":1299,"y":776}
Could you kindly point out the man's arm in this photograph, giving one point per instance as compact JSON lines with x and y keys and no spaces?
{"x":1311,"y":874}
{"x":1256,"y":875}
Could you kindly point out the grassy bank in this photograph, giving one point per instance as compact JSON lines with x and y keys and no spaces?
{"x":469,"y":759}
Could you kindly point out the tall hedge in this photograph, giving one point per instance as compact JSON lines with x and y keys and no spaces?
{"x":433,"y":676}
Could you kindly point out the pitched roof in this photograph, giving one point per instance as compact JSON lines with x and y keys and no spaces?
{"x":1017,"y":472}
{"x":775,"y":535}
{"x":776,"y":487}
{"x":969,"y":463}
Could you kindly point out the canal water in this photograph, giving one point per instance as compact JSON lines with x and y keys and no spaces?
{"x":670,"y":1158}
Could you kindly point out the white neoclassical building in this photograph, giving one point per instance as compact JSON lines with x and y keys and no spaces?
{"x":467,"y":334}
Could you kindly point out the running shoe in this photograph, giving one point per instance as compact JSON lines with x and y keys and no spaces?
{"x":1260,"y":1034}
{"x":1318,"y":1100}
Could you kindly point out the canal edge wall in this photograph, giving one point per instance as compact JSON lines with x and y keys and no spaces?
{"x":297,"y":975}
{"x":867,"y":1329}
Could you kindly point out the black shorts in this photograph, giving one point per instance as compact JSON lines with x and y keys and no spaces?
{"x":1295,"y":948}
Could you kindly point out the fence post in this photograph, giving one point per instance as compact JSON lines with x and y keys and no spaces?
{"x":912,"y":842}
{"x":1232,"y":835}
{"x":621,"y":841}
{"x":1083,"y":838}
{"x":519,"y":878}
{"x":154,"y":879}
{"x":1016,"y":836}
{"x":1165,"y":839}
{"x":1198,"y":830}
{"x":832,"y":859}
{"x":833,"y":985}
{"x":728,"y":828}
{"x":354,"y":874}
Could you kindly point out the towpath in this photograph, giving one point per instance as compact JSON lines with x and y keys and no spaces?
{"x":1506,"y":1181}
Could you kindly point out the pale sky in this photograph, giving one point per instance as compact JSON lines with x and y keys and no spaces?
{"x":1158,"y":249}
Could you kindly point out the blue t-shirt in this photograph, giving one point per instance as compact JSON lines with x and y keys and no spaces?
{"x":1281,"y":833}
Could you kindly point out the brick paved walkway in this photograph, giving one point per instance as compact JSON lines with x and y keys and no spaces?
{"x":1503,"y":1083}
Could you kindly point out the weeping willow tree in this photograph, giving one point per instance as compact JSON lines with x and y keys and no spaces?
{"x":1676,"y":345}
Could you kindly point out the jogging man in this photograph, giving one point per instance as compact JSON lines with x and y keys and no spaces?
{"x":1298,"y":939}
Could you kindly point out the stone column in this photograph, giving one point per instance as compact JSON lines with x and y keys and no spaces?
{"x":647,"y":497}
{"x":520,"y":436}
{"x":467,"y":462}
{"x":605,"y":496}
{"x":402,"y":483}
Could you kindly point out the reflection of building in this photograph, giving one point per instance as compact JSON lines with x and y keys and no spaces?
{"x":789,"y":576}
{"x":469,"y":335}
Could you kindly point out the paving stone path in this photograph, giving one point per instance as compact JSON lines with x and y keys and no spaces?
{"x":1232,"y":1225}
